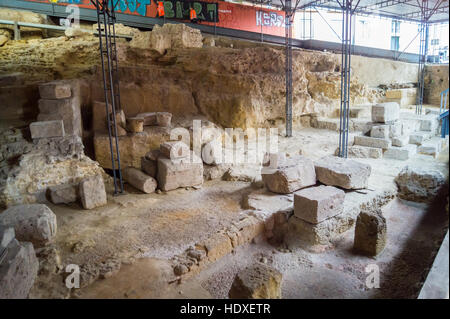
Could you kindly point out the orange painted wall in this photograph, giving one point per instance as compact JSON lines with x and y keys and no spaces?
{"x":231,"y":15}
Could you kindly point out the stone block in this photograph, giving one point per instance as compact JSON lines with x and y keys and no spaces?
{"x":342,"y":172}
{"x":315,"y":204}
{"x":92,"y":192}
{"x":370,"y":233}
{"x":35,"y":223}
{"x":181,"y":173}
{"x":174,"y":150}
{"x":358,"y":151}
{"x":55,"y":90}
{"x":385,"y":112}
{"x":149,"y":118}
{"x":139,"y":180}
{"x":258,"y":281}
{"x":380,"y":131}
{"x":18,"y":270}
{"x":63,"y":194}
{"x":419,"y":138}
{"x":47,"y":129}
{"x":383,"y":143}
{"x":135,"y":124}
{"x":418,"y":184}
{"x":7,"y":235}
{"x":295,"y":173}
{"x":400,"y":141}
{"x":429,"y":125}
{"x":395,"y":129}
{"x":163,"y":119}
{"x":274,"y":160}
{"x":149,"y":166}
{"x":401,"y":153}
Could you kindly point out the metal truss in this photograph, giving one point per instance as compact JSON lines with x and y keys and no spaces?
{"x":106,"y":19}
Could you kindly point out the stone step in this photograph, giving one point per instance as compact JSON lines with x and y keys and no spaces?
{"x":354,"y":124}
{"x":432,"y":147}
{"x":358,"y":151}
{"x":400,"y":153}
{"x":420,"y":137}
{"x":373,"y":142}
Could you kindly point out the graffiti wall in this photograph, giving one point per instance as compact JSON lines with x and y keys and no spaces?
{"x":209,"y":12}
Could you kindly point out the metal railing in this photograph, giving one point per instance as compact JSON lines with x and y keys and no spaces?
{"x":443,"y":114}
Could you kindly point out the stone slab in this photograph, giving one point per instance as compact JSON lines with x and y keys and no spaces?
{"x":46,"y":129}
{"x":55,"y":90}
{"x":401,"y":153}
{"x":342,"y":172}
{"x":315,"y":204}
{"x":92,"y":192}
{"x":383,"y":143}
{"x":182,"y":173}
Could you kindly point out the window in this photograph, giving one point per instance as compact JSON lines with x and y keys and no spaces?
{"x":395,"y":43}
{"x":395,"y":26}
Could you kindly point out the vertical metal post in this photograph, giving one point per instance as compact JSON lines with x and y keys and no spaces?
{"x":108,"y":54}
{"x":346,"y":48}
{"x":261,"y":12}
{"x":423,"y":48}
{"x":16,"y":31}
{"x":288,"y":19}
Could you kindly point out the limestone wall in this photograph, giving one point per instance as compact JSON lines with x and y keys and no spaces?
{"x":234,"y":86}
{"x":436,"y":81}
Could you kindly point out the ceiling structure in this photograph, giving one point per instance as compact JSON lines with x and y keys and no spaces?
{"x":434,"y":11}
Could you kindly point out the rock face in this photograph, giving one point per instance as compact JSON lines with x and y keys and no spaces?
{"x":417,"y":184}
{"x":315,"y":204}
{"x":35,"y":223}
{"x":258,"y":281}
{"x":370,"y":233}
{"x":18,"y":269}
{"x":295,"y":173}
{"x":28,"y":169}
{"x":181,"y":173}
{"x":341,"y":172}
{"x":92,"y":192}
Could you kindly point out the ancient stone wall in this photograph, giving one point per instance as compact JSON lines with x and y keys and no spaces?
{"x":436,"y":81}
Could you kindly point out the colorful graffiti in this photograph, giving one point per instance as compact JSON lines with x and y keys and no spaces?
{"x":210,"y":12}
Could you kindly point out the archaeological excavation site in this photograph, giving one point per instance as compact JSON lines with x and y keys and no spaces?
{"x":258,"y":149}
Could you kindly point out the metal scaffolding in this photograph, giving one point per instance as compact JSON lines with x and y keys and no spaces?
{"x":106,"y":19}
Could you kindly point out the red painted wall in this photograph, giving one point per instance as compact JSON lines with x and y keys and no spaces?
{"x":233,"y":16}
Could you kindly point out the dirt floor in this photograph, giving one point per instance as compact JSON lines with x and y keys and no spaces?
{"x":143,"y":232}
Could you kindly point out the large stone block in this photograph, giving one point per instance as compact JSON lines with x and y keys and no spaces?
{"x":135,"y":124}
{"x":67,"y":110}
{"x":419,"y":138}
{"x":35,"y":223}
{"x":18,"y":270}
{"x":401,"y":153}
{"x":55,"y":90}
{"x":358,"y":151}
{"x":342,"y":172}
{"x":63,"y":194}
{"x":380,"y":131}
{"x":385,"y":112}
{"x":295,"y":173}
{"x":258,"y":281}
{"x":174,"y":150}
{"x":400,"y":141}
{"x":149,"y":118}
{"x":140,"y":180}
{"x":163,"y":119}
{"x":383,"y":143}
{"x":47,"y":129}
{"x":92,"y":192}
{"x":180,"y":173}
{"x":370,"y":233}
{"x":315,"y":204}
{"x":418,"y":184}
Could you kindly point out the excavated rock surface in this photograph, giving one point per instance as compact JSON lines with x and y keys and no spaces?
{"x":168,"y":70}
{"x":27,"y":169}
